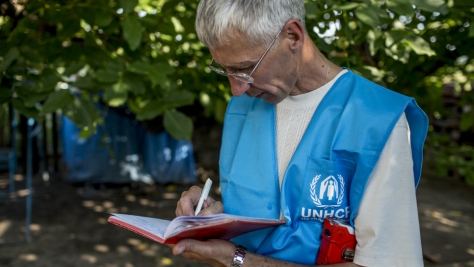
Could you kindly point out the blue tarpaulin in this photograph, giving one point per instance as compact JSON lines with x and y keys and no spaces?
{"x":122,"y":151}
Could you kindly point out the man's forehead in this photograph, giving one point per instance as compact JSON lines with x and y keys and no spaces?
{"x":234,"y":62}
{"x":229,"y":56}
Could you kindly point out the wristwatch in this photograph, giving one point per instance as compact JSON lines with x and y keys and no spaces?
{"x":239,"y":256}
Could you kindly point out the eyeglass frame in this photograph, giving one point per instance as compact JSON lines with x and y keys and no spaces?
{"x":244,"y":77}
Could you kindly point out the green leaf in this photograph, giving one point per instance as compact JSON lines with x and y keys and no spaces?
{"x":73,"y":68}
{"x":471,"y":30}
{"x":70,"y":112}
{"x":103,"y":19}
{"x":139,"y":67}
{"x":18,"y":35}
{"x":128,"y":5}
{"x":401,"y":7}
{"x":132,"y":32}
{"x":85,"y":83}
{"x":394,"y":37}
{"x":33,"y":99}
{"x":178,"y":125}
{"x":22,"y":91}
{"x":432,"y":5}
{"x":117,"y":94}
{"x":135,"y":83}
{"x":11,"y":56}
{"x":163,"y":68}
{"x":158,"y":71}
{"x":167,"y":31}
{"x":115,"y":65}
{"x":31,"y":54}
{"x":368,"y":15}
{"x":420,"y":46}
{"x":156,"y":77}
{"x":31,"y":112}
{"x":151,"y":110}
{"x":107,"y":76}
{"x":376,"y":74}
{"x":375,"y":40}
{"x":177,"y":25}
{"x":398,"y":53}
{"x":311,"y":10}
{"x":345,"y":7}
{"x":56,"y":100}
{"x":73,"y":53}
{"x":87,"y":132}
{"x":94,"y":55}
{"x":178,"y":99}
{"x":82,"y":112}
{"x":395,"y":45}
{"x":150,"y":20}
{"x":49,"y":80}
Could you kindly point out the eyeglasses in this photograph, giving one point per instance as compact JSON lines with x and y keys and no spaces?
{"x":243,"y":77}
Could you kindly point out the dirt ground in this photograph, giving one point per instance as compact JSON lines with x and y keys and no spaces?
{"x":69,"y":225}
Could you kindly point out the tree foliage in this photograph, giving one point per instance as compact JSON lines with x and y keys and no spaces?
{"x":419,"y":48}
{"x":73,"y":55}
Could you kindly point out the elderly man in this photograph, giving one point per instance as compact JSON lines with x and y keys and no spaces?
{"x":303,"y":140}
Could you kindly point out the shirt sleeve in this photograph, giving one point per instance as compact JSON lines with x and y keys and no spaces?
{"x":386,"y":226}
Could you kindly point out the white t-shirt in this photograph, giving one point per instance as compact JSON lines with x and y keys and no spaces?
{"x":386,"y":226}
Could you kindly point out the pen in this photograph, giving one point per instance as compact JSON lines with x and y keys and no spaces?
{"x":204,"y":194}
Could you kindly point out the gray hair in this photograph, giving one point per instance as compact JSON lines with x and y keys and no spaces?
{"x":258,"y":20}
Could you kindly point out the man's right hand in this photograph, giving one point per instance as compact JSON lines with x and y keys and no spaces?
{"x":189,"y":200}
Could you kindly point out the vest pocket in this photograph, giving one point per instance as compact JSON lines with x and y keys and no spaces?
{"x":325,"y":190}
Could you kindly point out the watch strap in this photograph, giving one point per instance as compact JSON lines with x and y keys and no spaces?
{"x":239,"y":256}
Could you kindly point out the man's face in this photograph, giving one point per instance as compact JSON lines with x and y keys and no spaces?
{"x":273,"y":79}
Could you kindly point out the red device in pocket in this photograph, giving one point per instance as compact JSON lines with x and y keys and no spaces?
{"x":337,"y":244}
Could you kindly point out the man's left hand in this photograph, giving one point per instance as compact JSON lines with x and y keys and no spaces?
{"x":214,"y":251}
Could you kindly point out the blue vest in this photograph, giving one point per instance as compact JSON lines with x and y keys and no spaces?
{"x":328,"y":172}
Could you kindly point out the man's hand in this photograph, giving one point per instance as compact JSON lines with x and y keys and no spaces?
{"x":218,"y":253}
{"x":189,"y":200}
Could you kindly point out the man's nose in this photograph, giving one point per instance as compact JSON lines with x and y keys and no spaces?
{"x":237,"y":87}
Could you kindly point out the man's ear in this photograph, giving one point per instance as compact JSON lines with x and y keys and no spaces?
{"x":295,"y":33}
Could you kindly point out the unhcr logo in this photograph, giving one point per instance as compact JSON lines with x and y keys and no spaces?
{"x":328,"y":195}
{"x":328,"y":192}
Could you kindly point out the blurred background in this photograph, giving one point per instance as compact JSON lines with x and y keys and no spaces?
{"x":109,"y":106}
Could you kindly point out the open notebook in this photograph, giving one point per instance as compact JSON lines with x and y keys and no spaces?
{"x":218,"y":226}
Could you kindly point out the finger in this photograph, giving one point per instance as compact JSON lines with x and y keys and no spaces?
{"x":213,"y":208}
{"x":207,"y":202}
{"x":188,"y":200}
